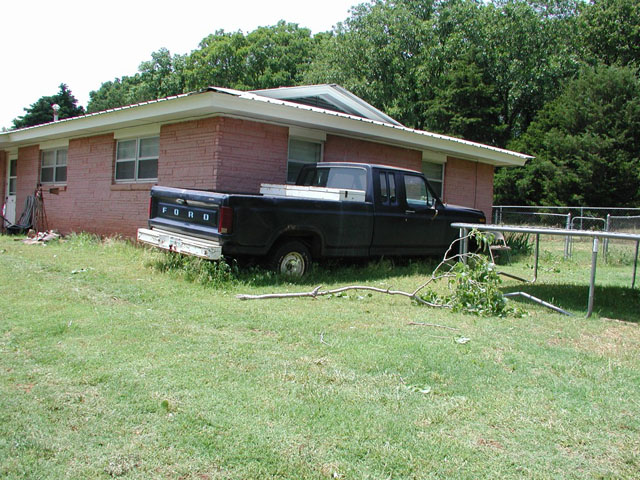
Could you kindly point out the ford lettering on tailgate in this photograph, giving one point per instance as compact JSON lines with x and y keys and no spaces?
{"x":189,"y":214}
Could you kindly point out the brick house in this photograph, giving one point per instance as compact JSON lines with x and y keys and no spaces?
{"x":96,"y":170}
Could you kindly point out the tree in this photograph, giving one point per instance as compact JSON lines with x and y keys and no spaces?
{"x":467,"y":104}
{"x":586,"y":145}
{"x":113,"y":94}
{"x":277,"y":56}
{"x":160,"y":77}
{"x":376,"y":54}
{"x":42,"y":111}
{"x":611,"y":31}
{"x":267,"y":57}
{"x":530,"y":51}
{"x":412,"y":58}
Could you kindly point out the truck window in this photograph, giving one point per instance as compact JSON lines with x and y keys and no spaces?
{"x":418,"y":194}
{"x":392,"y":188}
{"x":336,"y":177}
{"x":387,"y":187}
{"x":384,"y":190}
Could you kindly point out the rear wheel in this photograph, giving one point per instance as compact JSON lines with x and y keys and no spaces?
{"x":291,"y":259}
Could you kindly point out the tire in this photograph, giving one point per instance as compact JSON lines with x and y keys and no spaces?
{"x":291,"y":259}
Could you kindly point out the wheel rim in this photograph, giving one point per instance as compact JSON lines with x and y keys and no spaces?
{"x":292,"y":264}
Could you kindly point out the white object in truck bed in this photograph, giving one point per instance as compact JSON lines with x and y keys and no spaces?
{"x":176,"y":242}
{"x":317,"y":193}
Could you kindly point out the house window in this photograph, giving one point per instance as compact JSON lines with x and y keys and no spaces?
{"x":53,"y":166}
{"x":434,"y":172}
{"x":301,"y":152}
{"x":13,"y":176}
{"x":137,"y":160}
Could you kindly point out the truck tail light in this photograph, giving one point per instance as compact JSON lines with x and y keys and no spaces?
{"x":150,"y":206}
{"x":225,"y":220}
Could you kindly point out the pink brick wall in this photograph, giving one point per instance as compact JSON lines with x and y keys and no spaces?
{"x":343,"y":149}
{"x":90,"y":201}
{"x":27,"y":170}
{"x":250,"y":153}
{"x":469,"y":184}
{"x":187,"y":154}
{"x":219,"y":153}
{"x":216,"y":153}
{"x":224,"y":154}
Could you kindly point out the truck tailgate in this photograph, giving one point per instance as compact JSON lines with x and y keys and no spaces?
{"x":188,"y":212}
{"x":176,"y":242}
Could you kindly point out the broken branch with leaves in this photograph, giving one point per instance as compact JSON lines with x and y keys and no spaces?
{"x":472,"y":277}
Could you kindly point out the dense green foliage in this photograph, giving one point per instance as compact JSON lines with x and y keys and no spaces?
{"x":268,"y":57}
{"x":481,"y":70}
{"x":42,"y":110}
{"x":586,"y":142}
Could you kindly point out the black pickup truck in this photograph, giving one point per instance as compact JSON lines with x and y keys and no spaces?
{"x":333,"y":210}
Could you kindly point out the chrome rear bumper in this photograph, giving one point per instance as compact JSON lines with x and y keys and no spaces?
{"x":176,"y":242}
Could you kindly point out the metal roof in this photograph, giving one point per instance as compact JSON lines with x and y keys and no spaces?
{"x":261,"y":105}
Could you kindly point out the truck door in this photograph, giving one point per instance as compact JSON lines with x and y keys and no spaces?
{"x":388,"y":216}
{"x":425,"y":230}
{"x":408,"y":218}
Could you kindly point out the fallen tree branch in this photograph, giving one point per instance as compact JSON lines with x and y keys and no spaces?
{"x":322,"y":340}
{"x":316,"y":292}
{"x":422,"y":324}
{"x":448,"y":268}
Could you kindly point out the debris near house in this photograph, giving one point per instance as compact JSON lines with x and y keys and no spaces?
{"x":34,"y":237}
{"x":33,"y":216}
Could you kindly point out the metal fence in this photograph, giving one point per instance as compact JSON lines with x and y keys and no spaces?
{"x":608,"y":219}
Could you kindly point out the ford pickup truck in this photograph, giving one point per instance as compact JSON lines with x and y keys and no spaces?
{"x":334,"y":210}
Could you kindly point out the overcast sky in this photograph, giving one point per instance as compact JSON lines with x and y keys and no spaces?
{"x":83,"y":43}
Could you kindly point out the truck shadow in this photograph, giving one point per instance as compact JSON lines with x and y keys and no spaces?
{"x":349,"y":271}
{"x":620,"y":303}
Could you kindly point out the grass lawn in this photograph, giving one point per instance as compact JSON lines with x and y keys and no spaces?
{"x":111,"y":368}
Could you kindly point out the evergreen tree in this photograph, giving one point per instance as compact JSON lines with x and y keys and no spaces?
{"x":42,"y":111}
{"x":586,"y":145}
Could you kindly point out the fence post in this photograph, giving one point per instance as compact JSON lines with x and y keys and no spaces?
{"x":567,"y":239}
{"x":605,"y":246}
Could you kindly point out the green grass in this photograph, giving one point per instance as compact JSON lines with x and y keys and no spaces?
{"x":112,"y":368}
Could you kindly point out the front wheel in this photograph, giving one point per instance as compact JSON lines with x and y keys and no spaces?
{"x":291,"y":259}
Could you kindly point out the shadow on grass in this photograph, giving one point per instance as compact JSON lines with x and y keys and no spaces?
{"x":621,"y":303}
{"x":351,"y":271}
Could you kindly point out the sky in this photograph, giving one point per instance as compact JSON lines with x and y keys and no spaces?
{"x":85,"y":43}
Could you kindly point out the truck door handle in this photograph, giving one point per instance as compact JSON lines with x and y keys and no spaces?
{"x":409,"y":211}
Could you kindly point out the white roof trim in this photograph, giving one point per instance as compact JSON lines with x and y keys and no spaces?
{"x":331,"y":93}
{"x":137,"y":132}
{"x":54,"y":144}
{"x":223,"y":101}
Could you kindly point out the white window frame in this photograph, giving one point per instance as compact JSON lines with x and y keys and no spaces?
{"x":302,"y":162}
{"x":136,"y":161}
{"x":12,"y":180}
{"x":433,"y":180}
{"x":56,"y":167}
